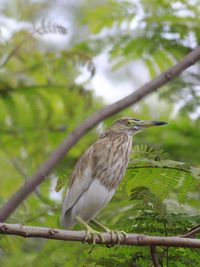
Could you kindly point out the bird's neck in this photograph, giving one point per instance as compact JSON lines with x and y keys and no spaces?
{"x":112,"y":134}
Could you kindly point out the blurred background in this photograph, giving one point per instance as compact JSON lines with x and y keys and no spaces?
{"x":60,"y":61}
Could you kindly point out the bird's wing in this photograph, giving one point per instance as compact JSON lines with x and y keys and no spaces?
{"x":80,"y":180}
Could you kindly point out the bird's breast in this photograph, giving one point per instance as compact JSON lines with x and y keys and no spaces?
{"x":113,"y":162}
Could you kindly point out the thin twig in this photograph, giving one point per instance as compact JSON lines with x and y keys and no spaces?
{"x":157,"y":167}
{"x":48,"y":28}
{"x":15,"y":163}
{"x":167,"y":249}
{"x":193,"y":232}
{"x":13,"y":52}
{"x":154,"y":256}
{"x":27,"y":188}
{"x":21,"y":171}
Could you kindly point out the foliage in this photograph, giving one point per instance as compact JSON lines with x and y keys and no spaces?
{"x":149,"y":222}
{"x":41,"y":103}
{"x":160,"y":21}
{"x":150,"y":212}
{"x":169,"y":26}
{"x":164,"y":176}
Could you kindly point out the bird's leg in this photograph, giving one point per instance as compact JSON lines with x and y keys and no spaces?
{"x":121,"y":235}
{"x":91,"y":234}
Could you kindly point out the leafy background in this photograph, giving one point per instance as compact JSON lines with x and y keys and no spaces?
{"x":41,"y":102}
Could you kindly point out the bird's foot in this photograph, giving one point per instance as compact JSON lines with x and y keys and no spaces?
{"x":92,"y":235}
{"x":117,"y":236}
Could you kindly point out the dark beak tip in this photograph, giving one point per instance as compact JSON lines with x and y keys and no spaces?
{"x":160,"y":123}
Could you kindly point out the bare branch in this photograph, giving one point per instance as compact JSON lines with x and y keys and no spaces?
{"x":67,"y":235}
{"x":21,"y":171}
{"x":193,"y":232}
{"x":154,"y":256}
{"x":37,"y":178}
{"x":13,"y":52}
{"x":159,"y":167}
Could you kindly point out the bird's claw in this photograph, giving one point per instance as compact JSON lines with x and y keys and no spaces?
{"x":118,"y":236}
{"x":91,"y":236}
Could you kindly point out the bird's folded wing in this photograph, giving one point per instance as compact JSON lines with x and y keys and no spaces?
{"x":80,"y":181}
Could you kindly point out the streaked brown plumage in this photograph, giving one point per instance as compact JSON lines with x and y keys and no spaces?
{"x":99,"y":171}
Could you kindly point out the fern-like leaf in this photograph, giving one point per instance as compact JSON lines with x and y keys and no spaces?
{"x":166,"y":178}
{"x":47,"y":27}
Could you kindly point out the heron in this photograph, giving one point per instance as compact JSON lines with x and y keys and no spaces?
{"x":97,"y":174}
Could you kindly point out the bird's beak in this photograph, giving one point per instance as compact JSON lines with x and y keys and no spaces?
{"x":146,"y":124}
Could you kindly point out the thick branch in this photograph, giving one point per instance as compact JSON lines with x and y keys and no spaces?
{"x":37,"y":178}
{"x":133,"y":239}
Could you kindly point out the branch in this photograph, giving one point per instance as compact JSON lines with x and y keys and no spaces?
{"x":192,"y":232}
{"x":13,"y":52}
{"x":154,"y":256}
{"x":22,"y":172}
{"x":38,"y":177}
{"x":67,"y":235}
{"x":159,"y":167}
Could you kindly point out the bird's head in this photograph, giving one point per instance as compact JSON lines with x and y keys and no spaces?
{"x":132,"y":126}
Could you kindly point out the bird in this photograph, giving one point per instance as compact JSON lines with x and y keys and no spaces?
{"x":97,"y":175}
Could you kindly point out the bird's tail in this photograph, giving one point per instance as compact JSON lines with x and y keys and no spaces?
{"x":67,"y":218}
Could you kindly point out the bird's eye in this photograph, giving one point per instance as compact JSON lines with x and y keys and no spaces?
{"x":130,"y":123}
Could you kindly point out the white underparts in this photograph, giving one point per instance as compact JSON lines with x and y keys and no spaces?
{"x":89,"y":203}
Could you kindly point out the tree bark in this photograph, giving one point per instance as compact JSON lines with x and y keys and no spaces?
{"x":154,"y":256}
{"x":38,"y":177}
{"x":67,"y":235}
